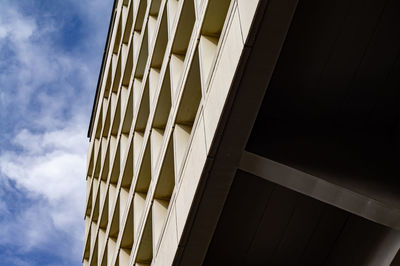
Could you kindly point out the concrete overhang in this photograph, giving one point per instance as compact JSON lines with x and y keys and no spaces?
{"x":313,"y":112}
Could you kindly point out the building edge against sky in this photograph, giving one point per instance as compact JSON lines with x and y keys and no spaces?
{"x":190,"y":164}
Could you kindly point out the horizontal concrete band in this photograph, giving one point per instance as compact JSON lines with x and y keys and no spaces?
{"x":320,"y":189}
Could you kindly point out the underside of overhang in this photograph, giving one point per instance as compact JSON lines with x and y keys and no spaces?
{"x":263,"y":223}
{"x":332,"y":106}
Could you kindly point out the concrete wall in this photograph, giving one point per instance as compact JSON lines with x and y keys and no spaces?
{"x":167,"y":74}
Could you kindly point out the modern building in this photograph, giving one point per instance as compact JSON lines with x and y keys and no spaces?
{"x":246,"y":132}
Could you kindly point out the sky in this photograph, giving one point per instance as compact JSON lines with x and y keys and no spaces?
{"x":50,"y":58}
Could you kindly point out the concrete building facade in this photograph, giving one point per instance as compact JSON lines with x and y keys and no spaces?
{"x":246,"y":132}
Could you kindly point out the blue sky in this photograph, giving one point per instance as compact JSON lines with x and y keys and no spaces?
{"x":50,"y":55}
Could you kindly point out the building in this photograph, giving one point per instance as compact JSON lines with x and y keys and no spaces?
{"x":246,"y":132}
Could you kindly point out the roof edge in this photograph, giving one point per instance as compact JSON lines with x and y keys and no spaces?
{"x":103,"y":62}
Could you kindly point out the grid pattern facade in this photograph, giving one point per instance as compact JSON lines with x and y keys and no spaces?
{"x":158,"y":70}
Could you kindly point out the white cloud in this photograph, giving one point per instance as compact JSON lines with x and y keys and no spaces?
{"x":36,"y":71}
{"x":49,"y":163}
{"x":16,"y":27}
{"x":50,"y":169}
{"x":45,"y":101}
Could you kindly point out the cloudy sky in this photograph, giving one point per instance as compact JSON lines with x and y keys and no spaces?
{"x":50,"y":55}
